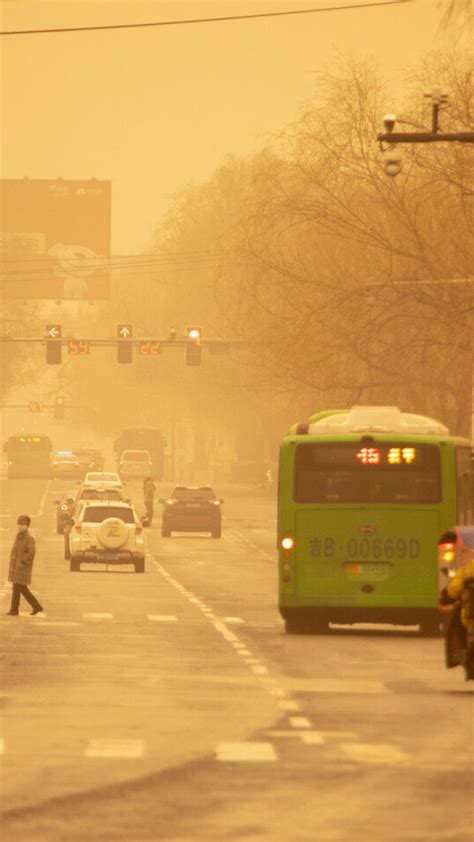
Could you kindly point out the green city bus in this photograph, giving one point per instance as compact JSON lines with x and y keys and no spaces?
{"x":28,"y":456}
{"x":363,"y":497}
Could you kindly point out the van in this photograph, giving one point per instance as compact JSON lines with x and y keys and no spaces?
{"x":135,"y":464}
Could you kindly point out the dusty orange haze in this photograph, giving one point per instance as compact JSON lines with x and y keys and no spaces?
{"x":152,"y":109}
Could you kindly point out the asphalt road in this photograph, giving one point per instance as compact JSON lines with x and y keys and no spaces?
{"x":172,"y":706}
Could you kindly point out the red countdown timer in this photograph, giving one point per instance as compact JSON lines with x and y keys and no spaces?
{"x":150,"y":349}
{"x":78,"y":347}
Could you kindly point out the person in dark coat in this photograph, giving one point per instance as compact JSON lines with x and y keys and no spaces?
{"x":148,"y":497}
{"x":21,"y":563}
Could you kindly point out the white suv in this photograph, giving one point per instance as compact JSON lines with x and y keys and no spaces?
{"x":106,"y":532}
{"x":135,"y":464}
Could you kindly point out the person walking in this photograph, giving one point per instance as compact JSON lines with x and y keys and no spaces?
{"x":21,"y":564}
{"x":148,"y":497}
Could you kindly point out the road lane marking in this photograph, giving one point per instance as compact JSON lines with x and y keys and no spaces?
{"x":311,"y":737}
{"x":232,"y":620}
{"x":287,"y":704}
{"x":55,"y":623}
{"x":335,"y":685}
{"x":2,"y":745}
{"x":382,"y":753}
{"x":268,"y":684}
{"x":164,"y":618}
{"x":246,"y":752}
{"x":93,"y":616}
{"x":115,"y":748}
{"x":300,"y":722}
{"x":258,"y":669}
{"x":225,"y":632}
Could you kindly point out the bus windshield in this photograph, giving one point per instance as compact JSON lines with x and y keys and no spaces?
{"x":360,"y":472}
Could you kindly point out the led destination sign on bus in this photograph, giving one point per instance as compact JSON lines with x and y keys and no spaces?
{"x":373,"y":472}
{"x":394,"y":456}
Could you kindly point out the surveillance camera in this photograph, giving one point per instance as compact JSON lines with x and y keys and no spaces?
{"x":389,"y":122}
{"x":392,"y":162}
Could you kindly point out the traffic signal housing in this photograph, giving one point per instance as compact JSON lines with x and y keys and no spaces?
{"x":53,"y":344}
{"x":124,"y":343}
{"x":193,"y":345}
{"x":59,"y":407}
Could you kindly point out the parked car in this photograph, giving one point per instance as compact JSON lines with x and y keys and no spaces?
{"x":106,"y":532}
{"x":65,"y":465}
{"x":135,"y":464}
{"x":191,"y":508}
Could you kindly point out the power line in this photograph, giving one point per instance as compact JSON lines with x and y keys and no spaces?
{"x":222,"y":19}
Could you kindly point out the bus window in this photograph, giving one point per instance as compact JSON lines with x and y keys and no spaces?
{"x":465,"y":513}
{"x":351,"y":472}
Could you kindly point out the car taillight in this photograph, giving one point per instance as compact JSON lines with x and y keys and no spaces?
{"x":78,"y":527}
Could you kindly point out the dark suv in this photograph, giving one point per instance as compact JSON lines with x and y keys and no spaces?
{"x":191,"y":509}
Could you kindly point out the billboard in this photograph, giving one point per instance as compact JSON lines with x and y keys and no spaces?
{"x":55,"y":238}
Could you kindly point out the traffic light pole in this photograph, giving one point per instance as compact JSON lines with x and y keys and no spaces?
{"x":438,"y":99}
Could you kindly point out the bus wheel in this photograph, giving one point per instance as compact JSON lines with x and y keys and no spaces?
{"x":294,"y":627}
{"x":431,"y":627}
{"x":318,"y":625}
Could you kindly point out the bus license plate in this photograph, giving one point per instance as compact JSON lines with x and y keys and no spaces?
{"x":109,"y":557}
{"x":192,"y":505}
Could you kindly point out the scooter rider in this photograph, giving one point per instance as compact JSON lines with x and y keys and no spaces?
{"x":460,"y":627}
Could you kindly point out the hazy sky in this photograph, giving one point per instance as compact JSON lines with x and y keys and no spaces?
{"x":152,"y":109}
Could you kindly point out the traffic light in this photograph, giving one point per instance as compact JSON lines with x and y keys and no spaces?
{"x":53,"y":344}
{"x":59,"y":407}
{"x":124,"y":345}
{"x":193,"y":345}
{"x":35,"y":406}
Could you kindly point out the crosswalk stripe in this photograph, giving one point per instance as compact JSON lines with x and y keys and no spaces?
{"x":93,"y":616}
{"x":164,"y":618}
{"x":245,"y":752}
{"x":300,"y":722}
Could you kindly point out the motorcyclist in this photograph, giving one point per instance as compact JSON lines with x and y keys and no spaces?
{"x":459,"y":628}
